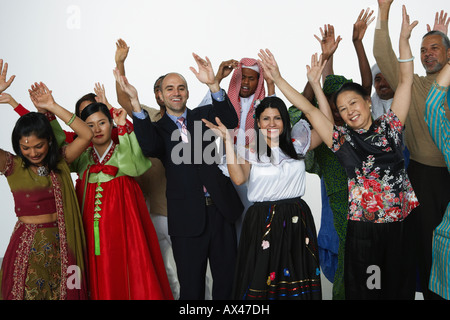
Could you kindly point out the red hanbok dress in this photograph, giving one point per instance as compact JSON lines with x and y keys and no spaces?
{"x":124,"y":258}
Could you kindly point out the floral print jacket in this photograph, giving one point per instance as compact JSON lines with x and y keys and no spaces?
{"x":378,"y":185}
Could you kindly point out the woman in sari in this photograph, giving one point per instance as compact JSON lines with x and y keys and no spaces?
{"x":45,"y":256}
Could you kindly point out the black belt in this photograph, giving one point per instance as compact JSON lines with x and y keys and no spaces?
{"x":208,"y":201}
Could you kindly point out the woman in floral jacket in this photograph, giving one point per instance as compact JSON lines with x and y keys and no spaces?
{"x":378,"y":261}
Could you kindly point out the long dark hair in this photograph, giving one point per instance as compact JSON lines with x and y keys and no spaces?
{"x":285,"y":140}
{"x":37,"y":124}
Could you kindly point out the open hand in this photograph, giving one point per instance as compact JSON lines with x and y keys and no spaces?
{"x":440,"y":23}
{"x":359,"y":28}
{"x":41,"y":96}
{"x":407,"y":27}
{"x":121,"y":51}
{"x":328,"y":42}
{"x":219,"y":130}
{"x":314,"y":72}
{"x":205,"y":73}
{"x":269,"y":64}
{"x":100,"y":93}
{"x":4,"y":84}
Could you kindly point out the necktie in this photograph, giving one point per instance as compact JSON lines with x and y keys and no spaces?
{"x":184,"y":136}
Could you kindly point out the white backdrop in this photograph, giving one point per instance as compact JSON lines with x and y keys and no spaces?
{"x":70,"y":45}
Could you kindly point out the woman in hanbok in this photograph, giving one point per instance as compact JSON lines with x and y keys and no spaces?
{"x":124,"y":259}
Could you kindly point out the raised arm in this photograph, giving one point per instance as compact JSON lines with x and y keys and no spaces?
{"x":122,"y":50}
{"x":359,"y":30}
{"x":225,"y":68}
{"x":239,"y":170}
{"x":270,"y":85}
{"x":443,"y":78}
{"x":129,"y":90}
{"x":440,"y":23}
{"x":8,"y":99}
{"x":42,"y":98}
{"x":4,"y":84}
{"x":329,"y":44}
{"x":402,"y":97}
{"x":205,"y":73}
{"x":146,"y":134}
{"x":382,"y":46}
{"x":100,"y":95}
{"x":318,"y":119}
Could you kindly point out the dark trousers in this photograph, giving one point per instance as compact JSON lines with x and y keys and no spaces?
{"x":379,"y":261}
{"x":218,"y":244}
{"x":432,"y":188}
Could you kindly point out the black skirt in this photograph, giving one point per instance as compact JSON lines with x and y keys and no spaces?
{"x":278,"y":253}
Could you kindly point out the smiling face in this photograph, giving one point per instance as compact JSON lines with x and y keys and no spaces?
{"x":271,"y":125}
{"x":354,"y":110}
{"x":433,"y":53}
{"x":174,"y":93}
{"x":382,"y":87}
{"x":101,"y":127}
{"x":249,"y":82}
{"x":34,"y":149}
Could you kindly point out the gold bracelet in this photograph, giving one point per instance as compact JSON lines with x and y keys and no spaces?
{"x":71,"y":119}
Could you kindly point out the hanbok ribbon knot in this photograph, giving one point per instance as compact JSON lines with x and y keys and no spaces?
{"x":106,"y":169}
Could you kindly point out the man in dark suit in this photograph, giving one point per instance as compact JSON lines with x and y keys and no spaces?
{"x":202,"y":202}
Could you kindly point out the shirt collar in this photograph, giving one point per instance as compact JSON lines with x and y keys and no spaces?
{"x":174,"y":118}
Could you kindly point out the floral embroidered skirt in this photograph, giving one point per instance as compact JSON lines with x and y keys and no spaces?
{"x":31,"y":269}
{"x":278,"y":253}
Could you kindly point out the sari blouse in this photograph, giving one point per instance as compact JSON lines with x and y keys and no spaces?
{"x":58,"y":195}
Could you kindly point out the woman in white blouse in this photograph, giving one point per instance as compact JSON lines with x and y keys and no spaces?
{"x":278,"y":253}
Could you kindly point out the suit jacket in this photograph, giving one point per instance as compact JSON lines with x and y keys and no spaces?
{"x":185,"y":195}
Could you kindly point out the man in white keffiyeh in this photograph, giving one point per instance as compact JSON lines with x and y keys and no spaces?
{"x":383,"y":95}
